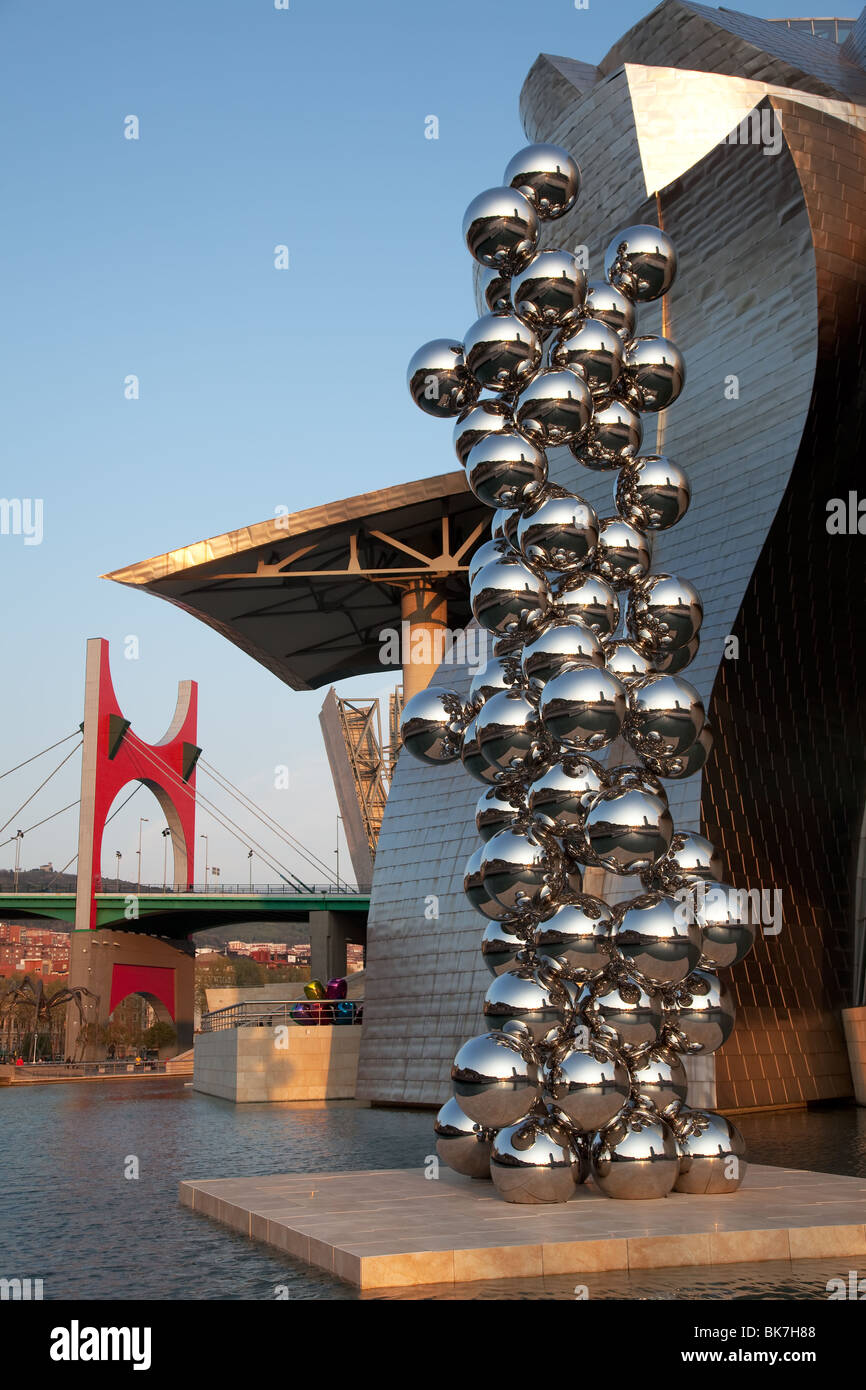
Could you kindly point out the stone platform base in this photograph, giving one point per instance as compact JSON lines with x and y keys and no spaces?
{"x":397,"y":1228}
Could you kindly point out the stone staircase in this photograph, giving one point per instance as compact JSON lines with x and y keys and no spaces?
{"x":181,"y":1065}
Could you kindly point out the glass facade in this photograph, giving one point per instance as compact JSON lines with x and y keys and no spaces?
{"x":836,"y":30}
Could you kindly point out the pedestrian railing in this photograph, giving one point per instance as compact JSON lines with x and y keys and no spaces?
{"x":306,"y":1012}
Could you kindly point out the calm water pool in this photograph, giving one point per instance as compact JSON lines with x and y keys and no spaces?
{"x":69,"y":1216}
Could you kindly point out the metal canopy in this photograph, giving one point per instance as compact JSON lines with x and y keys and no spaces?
{"x":308,"y":594}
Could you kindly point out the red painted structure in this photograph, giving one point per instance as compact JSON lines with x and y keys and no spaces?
{"x":153,"y":981}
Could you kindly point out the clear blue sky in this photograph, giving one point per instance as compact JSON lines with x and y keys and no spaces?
{"x":258,"y":388}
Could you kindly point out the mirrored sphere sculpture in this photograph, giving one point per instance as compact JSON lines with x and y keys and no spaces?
{"x":500,"y":228}
{"x":533,"y":1161}
{"x":549,"y":292}
{"x":462,"y":1144}
{"x":495,"y":1084}
{"x":549,"y":178}
{"x":589,"y":1085}
{"x":641,"y":262}
{"x":712,"y":1153}
{"x":558,"y":533}
{"x":636,"y":1156}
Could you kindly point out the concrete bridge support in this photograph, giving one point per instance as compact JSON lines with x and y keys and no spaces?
{"x":115,"y":964}
{"x":330,"y":934}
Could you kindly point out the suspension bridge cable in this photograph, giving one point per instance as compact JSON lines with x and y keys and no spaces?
{"x":13,"y":838}
{"x":41,"y":785}
{"x":267,"y":820}
{"x":226,"y":823}
{"x":39,"y":755}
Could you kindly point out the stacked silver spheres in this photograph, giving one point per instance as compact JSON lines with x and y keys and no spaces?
{"x":592,"y":1007}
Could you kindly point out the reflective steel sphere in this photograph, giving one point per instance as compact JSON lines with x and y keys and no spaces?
{"x":665,"y":716}
{"x":612,"y":439}
{"x":483,"y":418}
{"x":702,"y":1016}
{"x":575,"y":938}
{"x":462,"y":1145}
{"x":652,"y":493}
{"x":549,"y":292}
{"x":611,"y":306}
{"x":500,"y":227}
{"x":558,"y":647}
{"x":507,"y":730}
{"x":502,"y":352}
{"x":494,"y":1083}
{"x":489,"y":550}
{"x":508,"y":596}
{"x":495,"y":289}
{"x":534,"y":1162}
{"x":554,"y":408}
{"x":684,"y":764}
{"x":558,"y":533}
{"x":670,"y":663}
{"x":628,"y":660}
{"x":655,"y":370}
{"x":583,"y":708}
{"x":690,"y":859}
{"x":431,"y":726}
{"x":628,"y":829}
{"x":624,"y":554}
{"x":503,"y":525}
{"x":729,"y":923}
{"x":623,"y":1013}
{"x":654,"y":940}
{"x":712,"y":1153}
{"x":470,"y":754}
{"x":530,"y":998}
{"x":594,"y":350}
{"x":499,"y":673}
{"x":665,"y":611}
{"x":588,"y":599}
{"x":479,"y":896}
{"x":502,"y":943}
{"x":625,"y":775}
{"x":659,"y":1080}
{"x":496,"y":810}
{"x":504,"y":468}
{"x":641,"y":262}
{"x":636,"y":1156}
{"x":438,"y":379}
{"x":520,"y":870}
{"x":559,"y":798}
{"x":589,"y":1085}
{"x":548,"y":176}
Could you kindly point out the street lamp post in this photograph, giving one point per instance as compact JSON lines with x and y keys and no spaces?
{"x":250,"y":862}
{"x":165,"y":835}
{"x":142,"y":820}
{"x":204,"y":837}
{"x":337,"y":852}
{"x":19,"y":836}
{"x":118,"y":856}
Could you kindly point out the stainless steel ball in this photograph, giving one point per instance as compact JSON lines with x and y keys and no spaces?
{"x":559,"y":797}
{"x":728,"y":921}
{"x":653,"y":938}
{"x":611,"y":306}
{"x":431,"y":726}
{"x":549,"y":292}
{"x":507,"y":596}
{"x":665,"y":716}
{"x":533,"y":1161}
{"x":594,"y":350}
{"x":495,"y":287}
{"x":503,"y":525}
{"x":504,"y":944}
{"x":531,"y":998}
{"x":502,"y":352}
{"x":636,"y":1156}
{"x":496,"y":810}
{"x":439,"y":380}
{"x":652,"y":492}
{"x":665,"y":611}
{"x":589,"y":1085}
{"x":628,"y":830}
{"x":701,"y":1016}
{"x":626,"y":775}
{"x":548,"y":176}
{"x":613,"y":437}
{"x":483,"y":418}
{"x":500,"y":227}
{"x":588,"y":599}
{"x":641,"y":262}
{"x":583,"y":708}
{"x":558,"y":533}
{"x":624,"y":553}
{"x":508,"y":731}
{"x":712,"y":1153}
{"x":670,"y":662}
{"x":624,"y":1013}
{"x":470,"y":754}
{"x":655,"y":369}
{"x":555,"y":408}
{"x":520,"y":870}
{"x":499,"y":673}
{"x":575,"y":938}
{"x":462,"y":1145}
{"x":690,"y":859}
{"x":659,"y":1080}
{"x":487,"y":551}
{"x":481,"y":897}
{"x":505,"y":468}
{"x":495,"y":1083}
{"x":684,"y":764}
{"x":557,"y":647}
{"x":628,"y":660}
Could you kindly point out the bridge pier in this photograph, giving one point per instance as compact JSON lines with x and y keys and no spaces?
{"x":330,"y":934}
{"x":113,"y":965}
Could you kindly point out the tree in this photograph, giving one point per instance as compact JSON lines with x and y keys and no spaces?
{"x":159,"y":1035}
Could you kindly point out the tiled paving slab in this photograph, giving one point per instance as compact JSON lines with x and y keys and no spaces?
{"x":396,"y":1227}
